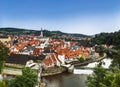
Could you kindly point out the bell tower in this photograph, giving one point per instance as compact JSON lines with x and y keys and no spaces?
{"x":41,"y":34}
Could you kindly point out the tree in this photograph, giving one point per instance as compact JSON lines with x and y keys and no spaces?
{"x":3,"y":55}
{"x":116,"y":60}
{"x":28,"y":79}
{"x":3,"y":83}
{"x":100,"y":50}
{"x":107,"y":38}
{"x":104,"y":78}
{"x":97,"y":78}
{"x":116,"y":80}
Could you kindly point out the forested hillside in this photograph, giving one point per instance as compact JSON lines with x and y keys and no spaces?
{"x":107,"y":38}
{"x":47,"y":33}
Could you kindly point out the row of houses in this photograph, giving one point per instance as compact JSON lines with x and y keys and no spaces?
{"x":55,"y":51}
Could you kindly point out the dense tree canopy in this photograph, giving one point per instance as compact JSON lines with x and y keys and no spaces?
{"x":28,"y":79}
{"x":107,"y":38}
{"x":3,"y":83}
{"x":100,"y":49}
{"x":3,"y":55}
{"x":104,"y":78}
{"x":116,"y":60}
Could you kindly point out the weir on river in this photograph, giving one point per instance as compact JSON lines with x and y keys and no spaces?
{"x":88,"y":68}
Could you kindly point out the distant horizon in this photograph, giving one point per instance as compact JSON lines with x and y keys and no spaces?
{"x":58,"y":30}
{"x":87,"y":17}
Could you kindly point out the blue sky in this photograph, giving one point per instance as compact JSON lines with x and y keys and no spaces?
{"x":72,"y":16}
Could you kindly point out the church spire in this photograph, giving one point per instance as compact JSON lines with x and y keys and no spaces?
{"x":41,"y":35}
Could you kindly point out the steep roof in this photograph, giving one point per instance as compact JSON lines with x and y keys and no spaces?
{"x":17,"y":59}
{"x":34,"y":58}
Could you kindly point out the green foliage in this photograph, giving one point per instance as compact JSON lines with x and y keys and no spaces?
{"x":100,"y":38}
{"x":56,"y":34}
{"x":28,"y":79}
{"x":16,"y":31}
{"x":104,"y":78}
{"x":116,"y":60}
{"x":107,"y":38}
{"x":3,"y":55}
{"x":3,"y":83}
{"x":100,"y":50}
{"x":81,"y":58}
{"x":85,"y":43}
{"x":116,"y":80}
{"x":1,"y":66}
{"x":98,"y":77}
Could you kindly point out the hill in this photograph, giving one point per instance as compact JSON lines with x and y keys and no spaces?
{"x":18,"y":31}
{"x":107,"y":38}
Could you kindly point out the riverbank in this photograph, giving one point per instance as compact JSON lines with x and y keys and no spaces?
{"x":89,"y":61}
{"x":59,"y":70}
{"x":53,"y":71}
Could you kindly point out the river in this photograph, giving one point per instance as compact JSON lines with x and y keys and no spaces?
{"x":66,"y":80}
{"x":77,"y":79}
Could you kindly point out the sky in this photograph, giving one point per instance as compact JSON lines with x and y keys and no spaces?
{"x":70,"y":16}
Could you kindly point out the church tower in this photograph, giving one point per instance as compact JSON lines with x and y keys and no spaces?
{"x":41,"y":35}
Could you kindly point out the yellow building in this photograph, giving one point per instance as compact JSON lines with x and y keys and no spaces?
{"x":5,"y":39}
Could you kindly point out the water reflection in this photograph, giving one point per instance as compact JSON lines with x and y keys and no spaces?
{"x":66,"y":80}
